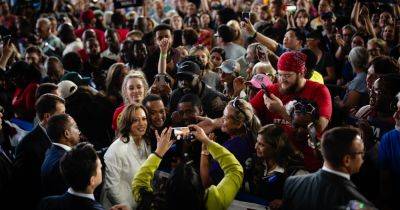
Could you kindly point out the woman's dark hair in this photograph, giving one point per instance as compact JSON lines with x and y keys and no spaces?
{"x":127,"y":119}
{"x":219,"y":50}
{"x":311,"y":61}
{"x":275,"y":136}
{"x":78,"y":165}
{"x":385,"y":65}
{"x":184,"y":189}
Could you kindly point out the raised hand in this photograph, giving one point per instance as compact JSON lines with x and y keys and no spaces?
{"x":164,"y":45}
{"x":164,"y":141}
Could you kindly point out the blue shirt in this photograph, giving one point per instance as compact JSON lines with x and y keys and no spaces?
{"x":239,"y":147}
{"x":389,"y":155}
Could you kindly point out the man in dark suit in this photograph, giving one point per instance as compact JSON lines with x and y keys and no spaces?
{"x":30,"y":153}
{"x":64,"y":133}
{"x":81,"y":169}
{"x":330,"y":187}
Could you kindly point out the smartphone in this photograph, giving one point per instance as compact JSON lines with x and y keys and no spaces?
{"x":313,"y":136}
{"x":245,"y":15}
{"x":291,"y":8}
{"x":265,"y":90}
{"x":182,"y":133}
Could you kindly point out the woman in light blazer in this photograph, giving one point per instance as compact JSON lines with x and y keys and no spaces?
{"x":125,"y":156}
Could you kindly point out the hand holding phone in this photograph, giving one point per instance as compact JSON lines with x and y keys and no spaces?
{"x":245,"y":16}
{"x":265,"y":90}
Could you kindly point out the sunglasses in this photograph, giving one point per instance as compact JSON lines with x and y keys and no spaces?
{"x":237,"y":106}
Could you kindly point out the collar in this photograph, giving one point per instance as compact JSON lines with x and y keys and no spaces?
{"x":44,"y":131}
{"x":65,"y":147}
{"x":83,"y":195}
{"x":344,"y":175}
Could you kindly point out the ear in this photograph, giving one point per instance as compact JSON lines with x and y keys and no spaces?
{"x":46,"y":117}
{"x":92,"y":181}
{"x":201,"y":111}
{"x":67,"y":134}
{"x":346,"y":160}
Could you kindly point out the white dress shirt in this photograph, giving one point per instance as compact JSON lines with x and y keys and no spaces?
{"x":344,"y":175}
{"x":83,"y":195}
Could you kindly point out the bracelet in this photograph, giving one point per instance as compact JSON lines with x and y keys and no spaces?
{"x":163,"y":56}
{"x":155,"y":153}
{"x":205,"y":152}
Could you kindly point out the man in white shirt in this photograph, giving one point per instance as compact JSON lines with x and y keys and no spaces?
{"x":329,"y":188}
{"x":64,"y":133}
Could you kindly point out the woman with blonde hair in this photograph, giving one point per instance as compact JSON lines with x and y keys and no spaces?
{"x":234,"y":24}
{"x":133,"y":90}
{"x":208,"y":76}
{"x":125,"y":156}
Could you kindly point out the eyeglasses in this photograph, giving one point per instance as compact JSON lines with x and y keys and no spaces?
{"x":284,"y":76}
{"x":237,"y":106}
{"x":362,"y":153}
{"x":304,"y":108}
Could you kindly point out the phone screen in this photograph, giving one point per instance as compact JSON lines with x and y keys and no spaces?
{"x":245,"y":15}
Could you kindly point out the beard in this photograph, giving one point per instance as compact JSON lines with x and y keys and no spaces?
{"x":292,"y":88}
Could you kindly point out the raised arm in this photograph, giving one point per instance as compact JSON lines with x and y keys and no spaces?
{"x":162,"y":61}
{"x":268,"y":42}
{"x":224,"y":193}
{"x":355,"y":13}
{"x":143,"y":177}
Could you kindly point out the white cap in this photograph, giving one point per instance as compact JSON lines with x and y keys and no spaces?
{"x":66,"y":88}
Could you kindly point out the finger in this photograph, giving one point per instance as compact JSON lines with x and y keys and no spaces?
{"x":200,"y":118}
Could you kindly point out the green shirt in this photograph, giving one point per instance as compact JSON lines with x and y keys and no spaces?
{"x":217,"y":197}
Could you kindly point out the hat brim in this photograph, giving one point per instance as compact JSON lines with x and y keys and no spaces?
{"x":185,"y":74}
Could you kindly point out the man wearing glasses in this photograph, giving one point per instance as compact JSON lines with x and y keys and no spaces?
{"x":270,"y":108}
{"x":343,"y":150}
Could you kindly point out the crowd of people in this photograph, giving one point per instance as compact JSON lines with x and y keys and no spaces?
{"x":195,"y":104}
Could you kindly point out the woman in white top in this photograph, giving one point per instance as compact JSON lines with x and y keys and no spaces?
{"x":125,"y":156}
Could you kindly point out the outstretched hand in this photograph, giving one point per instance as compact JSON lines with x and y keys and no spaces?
{"x":164,"y":141}
{"x":199,"y":133}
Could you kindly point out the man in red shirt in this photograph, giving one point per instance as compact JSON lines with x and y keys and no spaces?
{"x":88,"y":20}
{"x":292,"y":85}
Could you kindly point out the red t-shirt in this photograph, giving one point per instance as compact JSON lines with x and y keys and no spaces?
{"x":24,"y":101}
{"x":99,"y":35}
{"x":122,"y":32}
{"x":311,"y":91}
{"x":116,"y":117}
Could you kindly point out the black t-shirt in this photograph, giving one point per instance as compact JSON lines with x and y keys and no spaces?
{"x":213,"y":101}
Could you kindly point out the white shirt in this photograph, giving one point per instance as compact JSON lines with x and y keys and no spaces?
{"x":83,"y":195}
{"x":344,"y":175}
{"x":67,"y":148}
